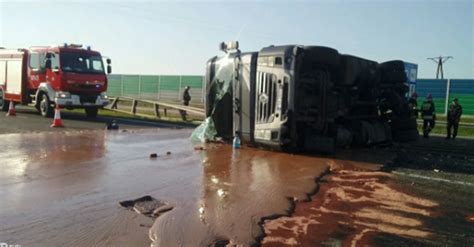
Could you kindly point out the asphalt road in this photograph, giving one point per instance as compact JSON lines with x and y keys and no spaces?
{"x":62,"y":187}
{"x":29,"y":120}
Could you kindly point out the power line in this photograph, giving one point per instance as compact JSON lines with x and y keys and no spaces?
{"x":440,"y":61}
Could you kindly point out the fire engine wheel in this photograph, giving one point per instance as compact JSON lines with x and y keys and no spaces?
{"x":91,"y":112}
{"x":45,"y":106}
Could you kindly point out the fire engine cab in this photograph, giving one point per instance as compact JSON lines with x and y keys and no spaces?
{"x":68,"y":75}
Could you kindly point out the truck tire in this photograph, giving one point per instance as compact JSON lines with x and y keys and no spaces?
{"x":324,"y":55}
{"x":91,"y":112}
{"x":4,"y":104}
{"x":361,"y":136}
{"x":394,"y":65}
{"x":388,"y":132}
{"x":394,"y":77}
{"x":45,"y":107}
{"x":348,"y":71}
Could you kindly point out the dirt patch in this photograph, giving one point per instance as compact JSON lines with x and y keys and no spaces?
{"x":352,"y":207}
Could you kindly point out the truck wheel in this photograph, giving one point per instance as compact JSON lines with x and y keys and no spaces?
{"x":323,"y":55}
{"x":361,"y":136}
{"x":394,"y":77}
{"x":45,"y":107}
{"x":348,"y":70}
{"x":91,"y":112}
{"x":394,"y":65}
{"x":4,"y":104}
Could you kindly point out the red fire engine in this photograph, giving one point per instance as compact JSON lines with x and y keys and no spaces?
{"x":68,"y":75}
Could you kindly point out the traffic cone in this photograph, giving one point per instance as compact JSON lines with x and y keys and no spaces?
{"x":11,"y":110}
{"x":57,"y":117}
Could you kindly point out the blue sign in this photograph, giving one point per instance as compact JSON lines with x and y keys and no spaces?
{"x":411,"y":70}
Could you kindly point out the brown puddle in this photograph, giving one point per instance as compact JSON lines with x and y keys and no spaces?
{"x":239,"y":187}
{"x":351,"y":207}
{"x":64,"y":189}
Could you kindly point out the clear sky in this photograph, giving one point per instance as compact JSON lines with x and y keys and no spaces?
{"x":177,"y":37}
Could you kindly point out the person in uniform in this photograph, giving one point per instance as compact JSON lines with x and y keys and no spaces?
{"x":428,"y":114}
{"x":186,"y":100}
{"x":454,"y":116}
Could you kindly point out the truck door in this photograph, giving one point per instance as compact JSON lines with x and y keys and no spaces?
{"x":52,"y":75}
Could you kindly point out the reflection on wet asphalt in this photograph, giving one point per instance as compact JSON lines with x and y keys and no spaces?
{"x":64,"y":188}
{"x":238,"y":188}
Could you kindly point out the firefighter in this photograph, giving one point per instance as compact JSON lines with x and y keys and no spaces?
{"x":413,"y":104}
{"x":186,"y":100}
{"x":428,"y":115}
{"x":454,"y":115}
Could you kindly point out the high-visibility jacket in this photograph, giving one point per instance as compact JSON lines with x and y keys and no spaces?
{"x":428,"y":110}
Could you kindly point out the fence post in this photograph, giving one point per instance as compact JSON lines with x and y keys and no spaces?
{"x":446,"y":102}
{"x":139,"y":86}
{"x":179,"y":87}
{"x":159,"y":85}
{"x":121,"y":85}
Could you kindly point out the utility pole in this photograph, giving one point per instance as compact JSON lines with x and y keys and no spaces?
{"x":440,"y":61}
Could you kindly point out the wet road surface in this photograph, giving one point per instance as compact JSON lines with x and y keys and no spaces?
{"x":29,"y":120}
{"x":237,"y":189}
{"x":64,"y":188}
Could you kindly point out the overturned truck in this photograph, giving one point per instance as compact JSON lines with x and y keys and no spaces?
{"x":305,"y":99}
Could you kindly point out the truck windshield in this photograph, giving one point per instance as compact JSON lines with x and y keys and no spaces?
{"x":81,"y":63}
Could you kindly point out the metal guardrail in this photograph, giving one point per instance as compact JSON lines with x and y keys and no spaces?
{"x":157,"y":106}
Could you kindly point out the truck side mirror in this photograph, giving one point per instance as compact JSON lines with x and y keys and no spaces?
{"x":108,"y":61}
{"x":109,"y":69}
